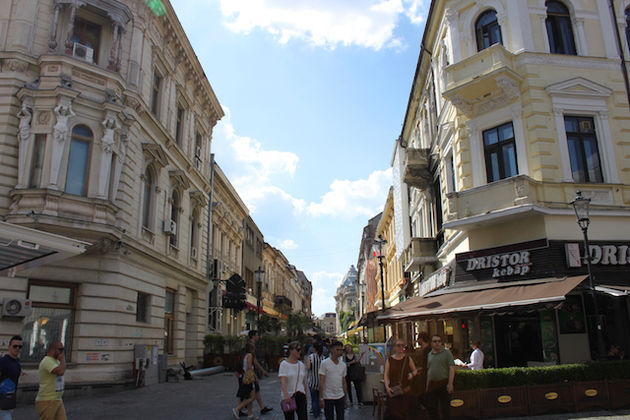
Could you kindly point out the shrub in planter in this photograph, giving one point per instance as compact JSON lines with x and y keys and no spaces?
{"x":213,"y":343}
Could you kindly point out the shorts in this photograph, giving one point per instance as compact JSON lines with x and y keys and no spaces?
{"x":245,"y":391}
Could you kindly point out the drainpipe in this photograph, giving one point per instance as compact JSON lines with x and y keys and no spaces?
{"x":624,"y":69}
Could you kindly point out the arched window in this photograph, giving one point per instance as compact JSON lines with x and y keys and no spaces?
{"x":147,"y":199}
{"x":628,"y":26}
{"x":76,"y":176}
{"x":559,"y":30}
{"x":175,"y":204}
{"x":488,"y":30}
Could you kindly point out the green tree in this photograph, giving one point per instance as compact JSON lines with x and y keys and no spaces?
{"x":345,"y":319}
{"x":297,"y":323}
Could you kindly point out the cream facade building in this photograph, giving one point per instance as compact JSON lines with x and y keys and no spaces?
{"x":515,"y":107}
{"x":107,"y":122}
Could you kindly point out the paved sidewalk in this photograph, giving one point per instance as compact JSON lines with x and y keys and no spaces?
{"x":211,"y":398}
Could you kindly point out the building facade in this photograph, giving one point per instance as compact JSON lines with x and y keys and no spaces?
{"x":346,"y":299}
{"x":107,"y":123}
{"x":515,"y":107}
{"x":328,"y":323}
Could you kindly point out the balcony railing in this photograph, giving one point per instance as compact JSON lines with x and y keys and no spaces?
{"x":416,"y":172}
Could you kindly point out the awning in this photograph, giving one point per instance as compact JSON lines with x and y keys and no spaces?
{"x":272,"y":312}
{"x":253,"y":308}
{"x":614,"y":290}
{"x":551,"y":290}
{"x":22,"y":247}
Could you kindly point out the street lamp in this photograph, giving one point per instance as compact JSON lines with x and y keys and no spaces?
{"x":259,"y":279}
{"x":378,"y":251}
{"x":581,"y":206}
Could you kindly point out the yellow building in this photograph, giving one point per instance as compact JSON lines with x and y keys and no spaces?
{"x":515,"y":107}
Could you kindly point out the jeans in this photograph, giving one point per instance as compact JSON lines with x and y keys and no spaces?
{"x":439,"y":403}
{"x":6,"y":414}
{"x":332,"y":406}
{"x":300,"y":408}
{"x":315,"y":408}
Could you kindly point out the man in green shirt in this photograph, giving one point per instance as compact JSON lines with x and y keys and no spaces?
{"x":440,"y":376}
{"x":51,"y":369}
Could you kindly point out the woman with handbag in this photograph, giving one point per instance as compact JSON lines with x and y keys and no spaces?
{"x":399,"y":371}
{"x":292,"y":374}
{"x":249,"y":385}
{"x":355,"y":372}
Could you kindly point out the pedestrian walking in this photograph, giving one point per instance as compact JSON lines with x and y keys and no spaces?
{"x":355,"y":371}
{"x":399,"y":371}
{"x":292,"y":374}
{"x":10,"y":371}
{"x":253,"y":337}
{"x":48,"y":402}
{"x":440,"y":377}
{"x":332,"y":384}
{"x":419,"y":382}
{"x":248,"y":384}
{"x":476,"y":357}
{"x":313,"y":362}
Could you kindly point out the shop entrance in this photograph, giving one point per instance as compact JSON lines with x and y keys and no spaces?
{"x":518,"y":339}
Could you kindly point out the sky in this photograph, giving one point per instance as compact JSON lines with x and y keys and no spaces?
{"x":314,"y":94}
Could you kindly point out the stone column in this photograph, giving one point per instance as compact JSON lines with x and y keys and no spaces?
{"x":70,"y":28}
{"x":113,"y":52}
{"x":52,"y":42}
{"x":121,"y":154}
{"x":121,"y":32}
{"x":107,"y":145}
{"x":64,"y":112}
{"x":24,"y":134}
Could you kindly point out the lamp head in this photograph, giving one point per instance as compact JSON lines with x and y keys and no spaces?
{"x":581,"y":206}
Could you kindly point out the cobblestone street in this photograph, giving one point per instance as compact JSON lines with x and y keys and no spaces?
{"x":210,"y":397}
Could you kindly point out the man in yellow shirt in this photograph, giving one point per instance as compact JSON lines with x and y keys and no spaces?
{"x":51,"y":369}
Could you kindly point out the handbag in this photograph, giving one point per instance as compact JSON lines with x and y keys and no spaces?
{"x":398,"y":390}
{"x":249,"y":377}
{"x":288,"y":406}
{"x":8,"y":401}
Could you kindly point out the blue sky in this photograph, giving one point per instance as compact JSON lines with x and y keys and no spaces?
{"x":314,"y":94}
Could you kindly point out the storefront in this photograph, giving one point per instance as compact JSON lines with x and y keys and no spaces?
{"x":528,"y":303}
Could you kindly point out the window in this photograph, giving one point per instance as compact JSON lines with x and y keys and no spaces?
{"x":147,"y":199}
{"x":198,"y":151}
{"x":76,"y":176}
{"x":174,"y":217}
{"x":143,"y":305}
{"x":628,"y":26}
{"x":169,"y":320}
{"x":559,"y":30}
{"x":583,"y":151}
{"x":194,"y":234}
{"x":179,"y":126}
{"x":88,"y":35}
{"x":500,"y":152}
{"x":488,"y":30}
{"x":155,"y":93}
{"x":37,"y":162}
{"x":51,"y":319}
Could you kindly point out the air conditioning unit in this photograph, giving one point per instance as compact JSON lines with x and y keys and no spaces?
{"x":170,"y":227}
{"x":83,"y":52}
{"x":13,"y":307}
{"x":193,"y":252}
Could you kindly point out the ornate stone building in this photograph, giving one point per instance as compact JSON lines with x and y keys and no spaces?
{"x":106,"y":124}
{"x":515,"y":107}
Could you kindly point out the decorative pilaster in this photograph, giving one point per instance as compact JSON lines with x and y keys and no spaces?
{"x":70,"y":29}
{"x":52,"y":42}
{"x":24,"y":134}
{"x":110,"y":126}
{"x":64,"y":112}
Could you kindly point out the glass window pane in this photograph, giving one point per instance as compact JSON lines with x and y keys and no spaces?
{"x":490,"y":137}
{"x":77,"y":167}
{"x":592,"y":160}
{"x":169,"y":302}
{"x":38,"y":160}
{"x":42,"y":327}
{"x":50,"y":294}
{"x":575,"y":155}
{"x":506,"y":132}
{"x":571,"y":125}
{"x":509,"y":161}
{"x":494,"y":168}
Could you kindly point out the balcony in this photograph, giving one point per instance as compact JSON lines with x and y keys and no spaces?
{"x":522,"y":196}
{"x":421,"y":251}
{"x":488,"y":80}
{"x":280,"y":301}
{"x":416,"y":171}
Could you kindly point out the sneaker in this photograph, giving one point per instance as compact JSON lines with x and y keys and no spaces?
{"x":235,"y":413}
{"x":242,"y":414}
{"x":265,"y":410}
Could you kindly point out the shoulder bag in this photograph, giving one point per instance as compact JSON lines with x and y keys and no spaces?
{"x":398,"y":389}
{"x":288,"y":406}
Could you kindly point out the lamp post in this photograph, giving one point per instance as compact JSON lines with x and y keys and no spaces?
{"x":259,"y":279}
{"x":378,"y":250}
{"x":581,"y":206}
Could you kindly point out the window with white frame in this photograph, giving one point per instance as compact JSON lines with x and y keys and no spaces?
{"x":175,"y":207}
{"x":559,"y":29}
{"x":500,"y":152}
{"x":583,"y":149}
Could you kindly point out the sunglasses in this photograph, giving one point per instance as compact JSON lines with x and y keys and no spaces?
{"x":17,"y":346}
{"x":436,"y":341}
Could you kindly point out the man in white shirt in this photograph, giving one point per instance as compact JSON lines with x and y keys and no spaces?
{"x":476,"y":357}
{"x":332,"y":383}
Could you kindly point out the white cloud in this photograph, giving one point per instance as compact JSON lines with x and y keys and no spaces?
{"x":287,"y":245}
{"x":363,"y":197}
{"x":324,"y":289}
{"x":327,"y":23}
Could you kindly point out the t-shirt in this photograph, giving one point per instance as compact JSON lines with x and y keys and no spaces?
{"x":312,"y":380}
{"x":10,"y":370}
{"x":335,"y":375}
{"x":476,"y":360}
{"x":439,"y":365}
{"x":50,"y":385}
{"x":295,"y":383}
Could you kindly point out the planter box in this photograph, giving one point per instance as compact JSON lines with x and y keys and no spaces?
{"x":504,"y":402}
{"x":619,"y":394}
{"x":556,"y":398}
{"x":465,"y":404}
{"x":591,"y":395}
